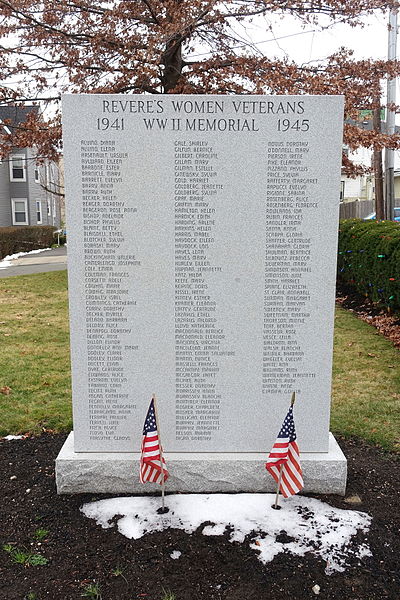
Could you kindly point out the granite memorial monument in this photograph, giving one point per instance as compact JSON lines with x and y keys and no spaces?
{"x":202,"y":235}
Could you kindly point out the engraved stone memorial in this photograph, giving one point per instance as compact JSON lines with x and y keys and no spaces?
{"x":202,"y":236}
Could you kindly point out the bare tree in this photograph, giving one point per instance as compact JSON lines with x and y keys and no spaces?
{"x":149,"y":46}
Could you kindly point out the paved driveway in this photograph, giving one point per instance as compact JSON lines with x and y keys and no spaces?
{"x":49,"y":260}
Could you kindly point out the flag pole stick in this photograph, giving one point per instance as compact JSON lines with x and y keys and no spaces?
{"x":276,"y":503}
{"x":163,"y":509}
{"x":293,"y":400}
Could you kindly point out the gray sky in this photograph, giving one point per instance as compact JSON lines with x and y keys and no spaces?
{"x":304,"y":44}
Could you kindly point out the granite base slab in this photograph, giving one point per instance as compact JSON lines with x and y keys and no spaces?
{"x":116,"y":473}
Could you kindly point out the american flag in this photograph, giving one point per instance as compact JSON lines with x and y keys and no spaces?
{"x":150,"y":460}
{"x":285,"y":452}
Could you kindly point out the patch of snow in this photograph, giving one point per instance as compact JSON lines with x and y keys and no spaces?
{"x":6,"y":262}
{"x":363,"y":550}
{"x":175,"y":554}
{"x":302,"y":525}
{"x":13,"y":437}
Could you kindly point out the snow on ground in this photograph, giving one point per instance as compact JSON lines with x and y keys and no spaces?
{"x":302,"y":525}
{"x":6,"y":262}
{"x":13,"y":437}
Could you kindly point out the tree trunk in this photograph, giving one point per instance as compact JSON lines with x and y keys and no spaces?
{"x":173,"y":63}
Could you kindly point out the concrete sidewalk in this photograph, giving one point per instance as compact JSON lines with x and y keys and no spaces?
{"x":49,"y":260}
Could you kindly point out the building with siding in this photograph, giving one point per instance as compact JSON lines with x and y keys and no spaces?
{"x":362,"y":187}
{"x":27,"y":188}
{"x":358,"y":188}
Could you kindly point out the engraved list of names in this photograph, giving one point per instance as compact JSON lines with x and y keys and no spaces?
{"x":201,"y":247}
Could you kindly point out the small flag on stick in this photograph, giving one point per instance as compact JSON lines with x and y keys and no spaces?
{"x":152,"y":463}
{"x":283,"y":462}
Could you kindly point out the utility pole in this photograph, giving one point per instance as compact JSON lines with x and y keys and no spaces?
{"x":390,"y":119}
{"x":378,"y":171}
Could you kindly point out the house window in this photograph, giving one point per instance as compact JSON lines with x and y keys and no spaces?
{"x":19,"y":211}
{"x":17,"y":167}
{"x":37,"y":177}
{"x":48,"y":208}
{"x":39,"y":212}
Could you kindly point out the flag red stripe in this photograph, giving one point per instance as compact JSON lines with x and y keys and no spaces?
{"x":153,"y":444}
{"x":295,"y":482}
{"x":274,"y":472}
{"x":284,"y":490}
{"x":279,"y":452}
{"x":293,"y":448}
{"x":295,"y":460}
{"x":287,"y":483}
{"x":277,"y":456}
{"x":294,"y":454}
{"x":274,"y":469}
{"x":295,"y":471}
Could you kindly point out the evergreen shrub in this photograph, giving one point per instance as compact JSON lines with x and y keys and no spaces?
{"x":25,"y":239}
{"x":369,"y":259}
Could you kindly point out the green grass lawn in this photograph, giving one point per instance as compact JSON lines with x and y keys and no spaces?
{"x":366,"y":383}
{"x":34,"y":364}
{"x":34,"y":355}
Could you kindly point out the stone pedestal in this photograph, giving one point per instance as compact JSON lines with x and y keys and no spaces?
{"x":115,"y":473}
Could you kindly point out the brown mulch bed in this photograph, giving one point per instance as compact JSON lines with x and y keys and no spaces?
{"x":387,"y":324}
{"x":80,"y":552}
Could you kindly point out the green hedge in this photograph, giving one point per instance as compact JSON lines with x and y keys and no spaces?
{"x":24,"y":239}
{"x":369,"y":259}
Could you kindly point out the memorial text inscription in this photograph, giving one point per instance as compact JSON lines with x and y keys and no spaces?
{"x":202,"y":243}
